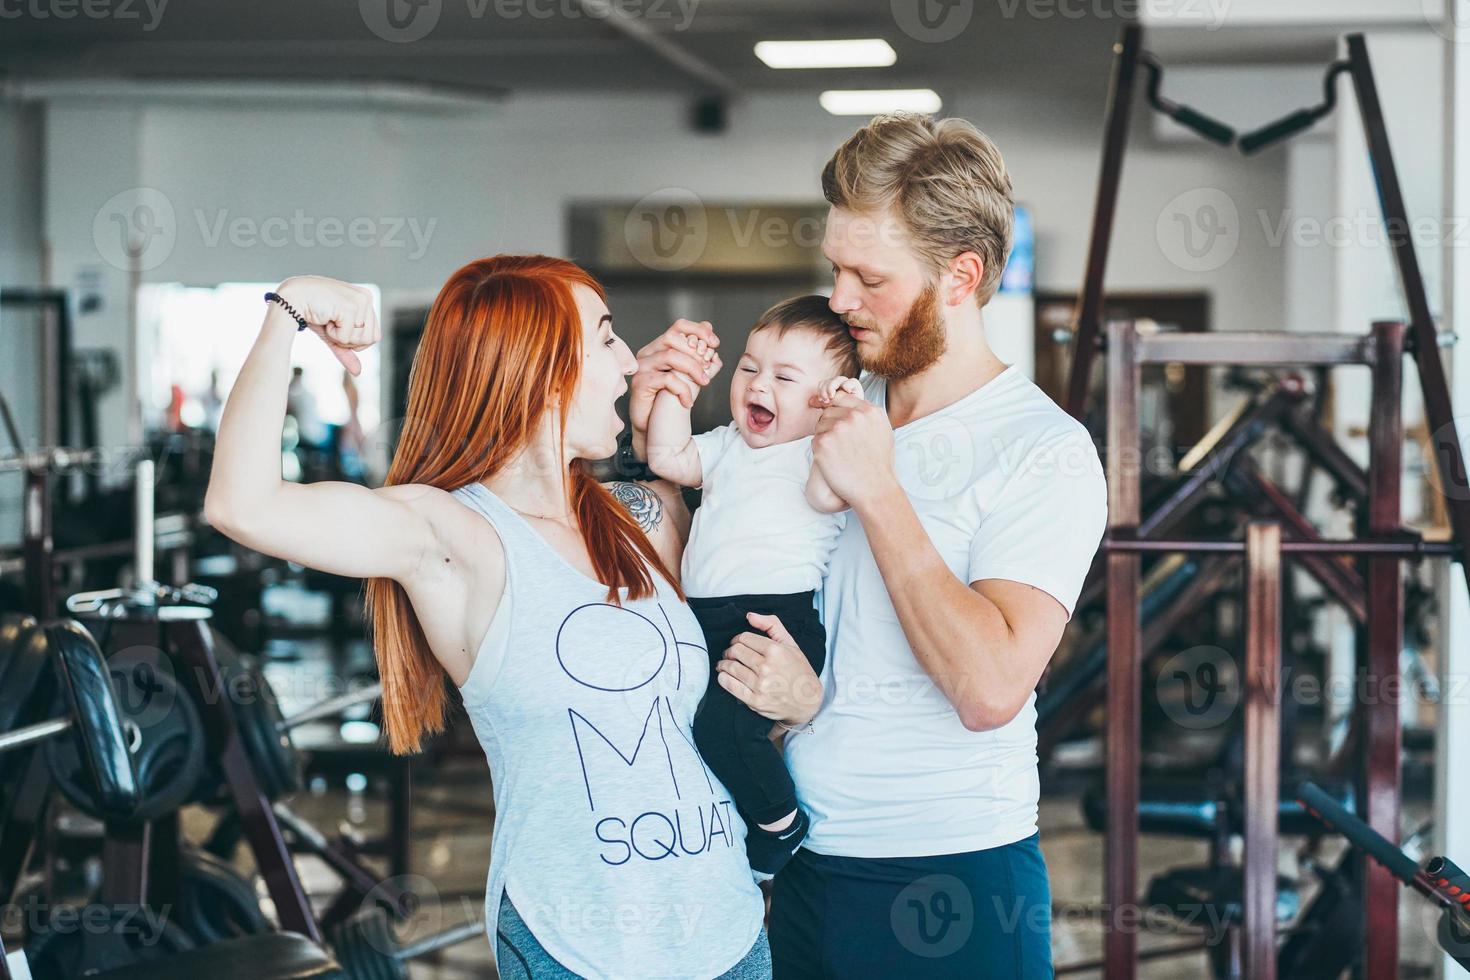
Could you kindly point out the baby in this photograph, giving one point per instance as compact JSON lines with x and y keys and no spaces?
{"x":761,"y":538}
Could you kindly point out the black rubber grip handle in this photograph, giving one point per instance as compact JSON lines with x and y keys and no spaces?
{"x":1359,"y":834}
{"x":1278,"y":130}
{"x":1210,"y":129}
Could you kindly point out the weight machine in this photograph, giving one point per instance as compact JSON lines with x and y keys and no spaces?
{"x":1381,"y":542}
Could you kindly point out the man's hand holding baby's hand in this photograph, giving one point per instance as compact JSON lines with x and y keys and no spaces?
{"x":853,"y":448}
{"x":827,"y":392}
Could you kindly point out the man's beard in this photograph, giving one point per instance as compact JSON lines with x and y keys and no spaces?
{"x":917,"y":343}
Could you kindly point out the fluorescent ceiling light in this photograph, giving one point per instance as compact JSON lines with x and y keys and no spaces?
{"x":871,"y":102}
{"x":868,"y":52}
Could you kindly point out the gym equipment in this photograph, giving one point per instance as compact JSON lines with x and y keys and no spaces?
{"x":1381,"y":542}
{"x":44,"y":550}
{"x":1171,"y":593}
{"x":245,"y":737}
{"x":1290,"y":125}
{"x":368,"y":948}
{"x":216,"y":903}
{"x":160,"y":728}
{"x":267,"y":734}
{"x":1211,"y":129}
{"x":166,"y":738}
{"x":1383,"y":546}
{"x":103,"y":732}
{"x":277,"y":764}
{"x":23,"y":661}
{"x":77,"y":942}
{"x":124,"y":934}
{"x":270,"y":956}
{"x":1440,"y":880}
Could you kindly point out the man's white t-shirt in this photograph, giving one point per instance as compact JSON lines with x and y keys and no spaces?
{"x":1008,"y":486}
{"x":754,"y":532}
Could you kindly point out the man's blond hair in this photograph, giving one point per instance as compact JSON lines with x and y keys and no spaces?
{"x":944,"y":179}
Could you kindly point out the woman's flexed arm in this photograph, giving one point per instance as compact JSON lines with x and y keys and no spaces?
{"x":336,"y":527}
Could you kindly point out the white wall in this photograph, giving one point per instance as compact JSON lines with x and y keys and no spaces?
{"x":430,"y":190}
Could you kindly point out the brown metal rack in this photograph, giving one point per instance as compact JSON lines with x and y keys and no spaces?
{"x":1382,"y":543}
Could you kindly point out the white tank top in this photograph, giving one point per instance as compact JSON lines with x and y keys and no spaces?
{"x":619,"y":848}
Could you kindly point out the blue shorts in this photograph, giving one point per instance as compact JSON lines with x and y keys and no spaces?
{"x":982,"y":914}
{"x":521,"y":957}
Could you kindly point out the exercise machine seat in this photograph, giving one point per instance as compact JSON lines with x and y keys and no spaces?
{"x":268,"y":956}
{"x":1205,"y":896}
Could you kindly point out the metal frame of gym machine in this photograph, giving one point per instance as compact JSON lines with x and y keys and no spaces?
{"x":1221,"y":457}
{"x":1384,"y":545}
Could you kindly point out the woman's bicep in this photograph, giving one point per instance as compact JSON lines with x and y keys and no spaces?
{"x":340,"y":528}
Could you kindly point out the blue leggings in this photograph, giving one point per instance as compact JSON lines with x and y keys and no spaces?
{"x":982,"y":914}
{"x":521,"y":957}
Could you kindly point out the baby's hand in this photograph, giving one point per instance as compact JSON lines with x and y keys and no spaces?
{"x":828,"y":390}
{"x":704,"y":352}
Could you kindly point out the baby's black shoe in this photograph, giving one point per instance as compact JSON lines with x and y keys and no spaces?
{"x":769,"y":850}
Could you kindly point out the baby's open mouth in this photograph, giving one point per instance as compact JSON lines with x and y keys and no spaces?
{"x":759,"y":417}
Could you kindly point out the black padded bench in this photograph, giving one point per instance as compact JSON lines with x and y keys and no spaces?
{"x":269,"y":956}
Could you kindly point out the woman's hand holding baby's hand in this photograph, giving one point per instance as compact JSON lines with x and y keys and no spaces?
{"x":828,"y":390}
{"x":705,"y":351}
{"x":681,"y":360}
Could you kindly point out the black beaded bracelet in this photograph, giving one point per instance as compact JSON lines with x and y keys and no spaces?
{"x":278,"y":298}
{"x":627,"y":463}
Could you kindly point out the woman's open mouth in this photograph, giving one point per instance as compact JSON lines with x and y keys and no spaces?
{"x":759,"y":418}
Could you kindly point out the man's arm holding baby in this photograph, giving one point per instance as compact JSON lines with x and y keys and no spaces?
{"x":984,"y":644}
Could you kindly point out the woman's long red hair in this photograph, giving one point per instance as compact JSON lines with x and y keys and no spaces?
{"x":503,"y":339}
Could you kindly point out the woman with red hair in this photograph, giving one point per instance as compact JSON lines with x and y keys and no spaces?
{"x":493,"y":557}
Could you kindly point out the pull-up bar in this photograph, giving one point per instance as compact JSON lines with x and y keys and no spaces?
{"x":1288,"y":126}
{"x":1211,"y":129}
